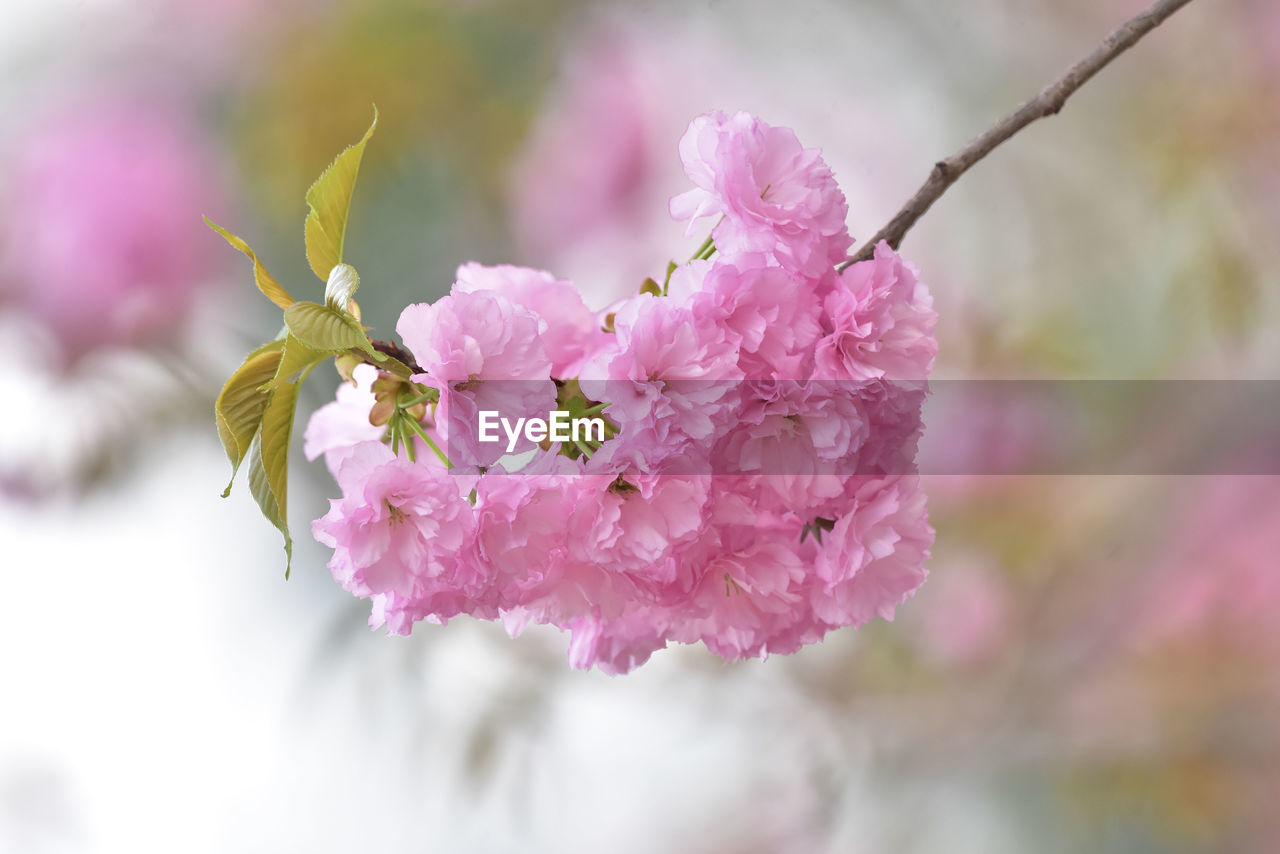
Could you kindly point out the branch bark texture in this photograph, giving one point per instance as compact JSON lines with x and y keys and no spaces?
{"x":1047,"y":103}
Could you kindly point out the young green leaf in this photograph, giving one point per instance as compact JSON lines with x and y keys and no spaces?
{"x":266,"y":282}
{"x":269,"y":462}
{"x":240,"y":404}
{"x":341,"y":287}
{"x":297,"y":357}
{"x":329,"y":200}
{"x":323,"y":327}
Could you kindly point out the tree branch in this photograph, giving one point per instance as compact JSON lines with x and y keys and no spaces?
{"x":1047,"y":103}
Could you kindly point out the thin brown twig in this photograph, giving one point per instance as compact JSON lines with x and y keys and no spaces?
{"x":1047,"y":103}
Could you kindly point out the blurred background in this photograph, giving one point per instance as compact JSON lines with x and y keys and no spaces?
{"x":1094,"y":663}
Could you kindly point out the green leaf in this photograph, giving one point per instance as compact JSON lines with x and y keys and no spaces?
{"x":240,"y":404}
{"x":329,"y":200}
{"x":296,"y":358}
{"x":324,"y":327}
{"x":266,"y":282}
{"x":274,"y":344}
{"x":269,"y":462}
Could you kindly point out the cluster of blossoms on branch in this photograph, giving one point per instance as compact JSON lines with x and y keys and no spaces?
{"x":753,"y":486}
{"x":752,"y":482}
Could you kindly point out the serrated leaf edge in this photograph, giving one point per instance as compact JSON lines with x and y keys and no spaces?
{"x":355,"y":150}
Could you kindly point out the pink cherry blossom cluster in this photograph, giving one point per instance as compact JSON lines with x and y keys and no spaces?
{"x":756,"y":488}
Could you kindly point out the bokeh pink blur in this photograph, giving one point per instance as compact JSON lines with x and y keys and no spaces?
{"x":1094,"y":662}
{"x":100,"y":198}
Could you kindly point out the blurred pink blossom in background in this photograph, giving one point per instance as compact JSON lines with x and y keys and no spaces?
{"x":589,"y":162}
{"x":101,"y":238}
{"x":1217,"y":579}
{"x":964,"y":614}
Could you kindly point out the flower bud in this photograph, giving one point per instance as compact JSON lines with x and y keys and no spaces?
{"x":386,"y":385}
{"x":383,"y":409}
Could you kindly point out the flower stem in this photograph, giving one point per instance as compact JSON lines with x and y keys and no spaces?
{"x":422,"y":398}
{"x":706,"y":250}
{"x":435,"y":449}
{"x":395,"y":435}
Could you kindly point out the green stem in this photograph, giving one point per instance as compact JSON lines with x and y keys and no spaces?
{"x":704,"y":251}
{"x":408,"y":440}
{"x":422,"y":398}
{"x":422,"y":434}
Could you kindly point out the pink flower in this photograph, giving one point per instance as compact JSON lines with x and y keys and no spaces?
{"x":772,"y":312}
{"x":475,"y":335}
{"x":775,"y":196}
{"x":622,"y":581}
{"x":893,"y":412}
{"x":636,"y":526}
{"x":669,"y":377}
{"x":657,"y":339}
{"x":337,"y":427}
{"x":484,"y":353}
{"x":101,"y":231}
{"x":873,"y":558}
{"x":751,"y":599}
{"x":520,"y":532}
{"x":618,"y":645}
{"x":572,"y":330}
{"x":881,"y":323}
{"x":403,"y":531}
{"x":629,"y":541}
{"x":805,"y":439}
{"x":617,"y":547}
